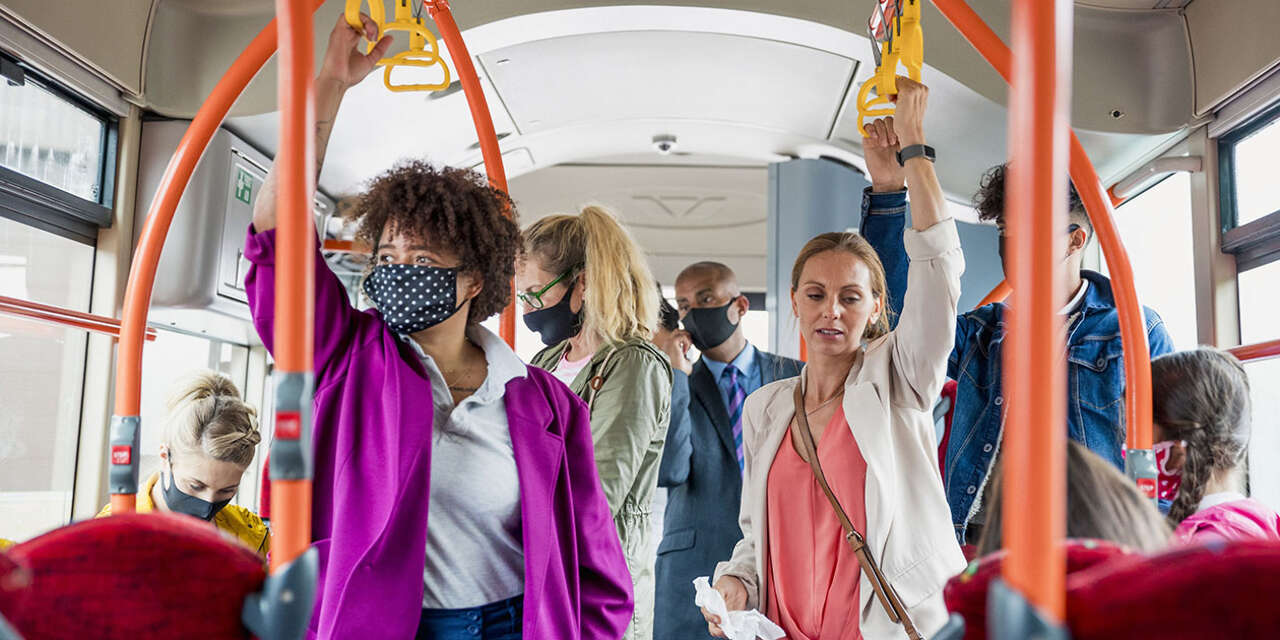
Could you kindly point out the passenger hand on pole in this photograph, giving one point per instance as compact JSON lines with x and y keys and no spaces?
{"x":345,"y":62}
{"x":908,"y":121}
{"x":880,"y":150}
{"x":735,"y":599}
{"x":676,"y":345}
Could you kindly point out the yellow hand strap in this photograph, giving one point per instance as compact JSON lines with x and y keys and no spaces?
{"x":905,"y":46}
{"x":423,"y":51}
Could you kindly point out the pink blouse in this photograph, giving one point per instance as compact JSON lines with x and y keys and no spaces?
{"x":813,"y":575}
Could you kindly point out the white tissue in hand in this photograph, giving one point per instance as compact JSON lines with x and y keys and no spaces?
{"x":736,"y":625}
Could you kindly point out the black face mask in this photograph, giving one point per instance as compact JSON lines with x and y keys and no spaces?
{"x":1000,"y":250}
{"x":709,"y":328}
{"x":413,"y":297}
{"x":556,"y":323}
{"x":180,"y":502}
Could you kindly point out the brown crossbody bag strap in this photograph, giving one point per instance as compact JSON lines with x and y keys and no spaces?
{"x":884,"y":591}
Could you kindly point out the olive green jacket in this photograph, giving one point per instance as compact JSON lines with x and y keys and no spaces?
{"x":627,"y":386}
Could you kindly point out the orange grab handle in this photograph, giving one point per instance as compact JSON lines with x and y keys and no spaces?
{"x":1034,"y":484}
{"x":1133,"y":334}
{"x":295,"y":278}
{"x":1258,"y":351}
{"x":61,"y":317}
{"x":443,"y":17}
{"x":998,"y":294}
{"x":177,"y":175}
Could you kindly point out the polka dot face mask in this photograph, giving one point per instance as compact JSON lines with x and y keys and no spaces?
{"x":413,"y":297}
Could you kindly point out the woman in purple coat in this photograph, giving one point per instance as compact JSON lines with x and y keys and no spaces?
{"x":455,"y":489}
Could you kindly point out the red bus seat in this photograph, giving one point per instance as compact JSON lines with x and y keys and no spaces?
{"x":133,"y":576}
{"x":966,"y":594}
{"x":1218,"y":590}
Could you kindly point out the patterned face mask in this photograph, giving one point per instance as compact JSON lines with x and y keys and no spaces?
{"x":413,"y":297}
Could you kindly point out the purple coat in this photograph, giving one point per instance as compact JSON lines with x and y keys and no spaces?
{"x":372,"y":443}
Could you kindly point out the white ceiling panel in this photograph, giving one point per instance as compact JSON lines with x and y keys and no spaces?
{"x":678,"y":215}
{"x":551,"y":83}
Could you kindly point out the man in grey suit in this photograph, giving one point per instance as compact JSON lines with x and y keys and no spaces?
{"x":702,"y":462}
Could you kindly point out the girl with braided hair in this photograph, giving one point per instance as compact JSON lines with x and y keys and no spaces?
{"x":1201,"y":414}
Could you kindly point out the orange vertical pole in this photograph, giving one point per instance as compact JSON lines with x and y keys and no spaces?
{"x":998,"y":294}
{"x":295,"y":285}
{"x":125,"y":424}
{"x":1035,"y":371}
{"x":1133,"y":335}
{"x":443,"y":17}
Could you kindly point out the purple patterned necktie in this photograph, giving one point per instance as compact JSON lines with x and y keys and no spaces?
{"x":736,"y":397}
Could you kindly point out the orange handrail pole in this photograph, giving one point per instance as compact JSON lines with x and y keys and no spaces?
{"x":1035,"y":372}
{"x":1133,"y":335}
{"x":295,"y":285}
{"x":142,"y":273}
{"x":61,"y":317}
{"x":998,"y":294}
{"x":1116,"y":200}
{"x":1133,"y":327}
{"x":489,"y":149}
{"x":1257,"y":351}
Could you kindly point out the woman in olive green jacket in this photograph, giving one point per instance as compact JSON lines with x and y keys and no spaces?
{"x":587,"y":290}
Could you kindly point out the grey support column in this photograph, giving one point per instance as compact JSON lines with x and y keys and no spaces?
{"x":806,"y":198}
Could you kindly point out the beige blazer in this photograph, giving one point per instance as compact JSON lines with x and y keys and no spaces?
{"x":888,"y":401}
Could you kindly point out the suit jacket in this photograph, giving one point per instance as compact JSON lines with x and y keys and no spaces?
{"x":700,"y":470}
{"x":372,"y":459}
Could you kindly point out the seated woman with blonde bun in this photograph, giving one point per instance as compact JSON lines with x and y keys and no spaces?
{"x":210,"y":436}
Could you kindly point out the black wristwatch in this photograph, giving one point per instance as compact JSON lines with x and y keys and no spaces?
{"x":912,"y":151}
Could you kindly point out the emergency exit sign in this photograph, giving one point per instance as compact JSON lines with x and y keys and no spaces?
{"x":244,"y":186}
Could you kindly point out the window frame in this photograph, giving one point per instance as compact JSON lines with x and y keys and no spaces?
{"x":32,"y":202}
{"x":1256,"y":243}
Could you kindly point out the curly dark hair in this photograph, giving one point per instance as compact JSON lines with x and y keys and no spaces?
{"x":449,"y":208}
{"x":989,"y":201}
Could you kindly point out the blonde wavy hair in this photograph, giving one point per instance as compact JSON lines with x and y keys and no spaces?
{"x":620,"y":296}
{"x":207,"y":417}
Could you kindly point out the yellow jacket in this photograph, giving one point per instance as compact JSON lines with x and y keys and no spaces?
{"x":233,"y":520}
{"x":5,"y":544}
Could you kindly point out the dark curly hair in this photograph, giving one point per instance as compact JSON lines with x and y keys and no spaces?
{"x":453,"y":209}
{"x":989,"y":201}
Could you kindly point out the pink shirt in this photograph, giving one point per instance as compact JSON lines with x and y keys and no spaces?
{"x":1232,"y":520}
{"x":813,"y":574}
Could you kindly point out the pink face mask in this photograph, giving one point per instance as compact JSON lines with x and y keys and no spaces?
{"x":1168,"y":481}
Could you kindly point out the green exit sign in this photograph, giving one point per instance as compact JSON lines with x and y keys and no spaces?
{"x":244,"y":186}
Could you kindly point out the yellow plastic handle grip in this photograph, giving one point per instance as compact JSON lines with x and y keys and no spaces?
{"x":376,"y":12}
{"x":415,"y":59}
{"x":908,"y":49}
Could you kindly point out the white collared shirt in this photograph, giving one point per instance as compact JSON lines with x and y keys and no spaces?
{"x":475,"y":552}
{"x":1075,"y":299}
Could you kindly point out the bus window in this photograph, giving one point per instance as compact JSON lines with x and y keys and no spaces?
{"x":1264,"y":474}
{"x":47,"y":137}
{"x":1155,"y":227}
{"x":1259,"y":305}
{"x":41,"y":376}
{"x":1257,"y":193}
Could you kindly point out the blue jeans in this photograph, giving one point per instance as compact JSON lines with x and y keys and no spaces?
{"x":496,"y":621}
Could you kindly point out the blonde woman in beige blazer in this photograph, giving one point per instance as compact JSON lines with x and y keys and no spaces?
{"x":886,"y":383}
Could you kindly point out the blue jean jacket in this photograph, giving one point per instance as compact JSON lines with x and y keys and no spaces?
{"x":1095,"y":369}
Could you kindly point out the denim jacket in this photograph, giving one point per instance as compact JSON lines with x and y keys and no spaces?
{"x":1095,"y":369}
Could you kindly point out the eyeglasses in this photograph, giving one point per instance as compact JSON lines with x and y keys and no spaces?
{"x":533,"y":299}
